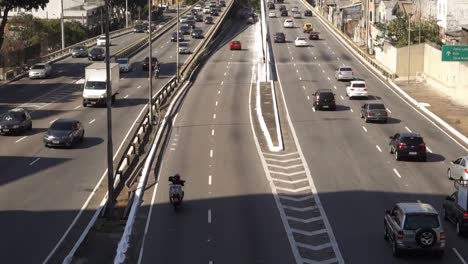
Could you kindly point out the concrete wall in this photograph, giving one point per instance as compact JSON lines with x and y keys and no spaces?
{"x":396,"y":59}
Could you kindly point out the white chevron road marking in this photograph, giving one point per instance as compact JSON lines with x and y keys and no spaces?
{"x":319,"y":247}
{"x":300,"y":209}
{"x":287,"y":174}
{"x":290,"y":181}
{"x":283,"y":161}
{"x":286,"y":167}
{"x":307,"y":233}
{"x":308,"y":220}
{"x":296,"y":199}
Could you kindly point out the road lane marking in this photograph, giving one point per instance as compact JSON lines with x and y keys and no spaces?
{"x":139,"y":86}
{"x":342,"y":98}
{"x":365,"y":129}
{"x":77,"y":107}
{"x":53,"y":121}
{"x":428,"y":149}
{"x":328,"y":78}
{"x":92,"y":121}
{"x":377,"y":146}
{"x":303,"y":87}
{"x":219,"y":91}
{"x":315,"y":58}
{"x":334,"y":87}
{"x":338,"y":58}
{"x":294,"y":64}
{"x":41,"y":82}
{"x":212,"y":132}
{"x":216,"y":103}
{"x":292,"y":58}
{"x":319,"y":64}
{"x":209,"y":216}
{"x":126,"y":96}
{"x":397,"y":173}
{"x":175,"y":118}
{"x":297,"y":71}
{"x":211,"y":153}
{"x":222,"y":82}
{"x":300,"y":78}
{"x":214,"y":116}
{"x":20,"y":139}
{"x":224,"y":74}
{"x":209,"y":180}
{"x":351,"y":110}
{"x":389,"y":110}
{"x":308,"y":98}
{"x":34,"y":161}
{"x":313,"y":109}
{"x":459,"y":256}
{"x":409,"y":130}
{"x":323,"y":71}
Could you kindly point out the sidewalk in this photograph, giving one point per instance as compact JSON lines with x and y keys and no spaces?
{"x":452,"y":112}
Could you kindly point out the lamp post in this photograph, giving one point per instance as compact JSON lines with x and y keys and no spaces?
{"x":62,"y":27}
{"x":177,"y":45}
{"x":409,"y":44}
{"x":126,"y":13}
{"x":150,"y":68}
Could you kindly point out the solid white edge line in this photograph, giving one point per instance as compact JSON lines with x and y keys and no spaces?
{"x":376,"y":73}
{"x":377,"y":146}
{"x":330,"y":233}
{"x":397,"y":173}
{"x":459,"y":256}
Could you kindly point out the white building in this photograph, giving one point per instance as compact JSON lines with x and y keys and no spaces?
{"x":451,"y":14}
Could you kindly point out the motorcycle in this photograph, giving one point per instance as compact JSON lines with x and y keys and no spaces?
{"x":176,"y":195}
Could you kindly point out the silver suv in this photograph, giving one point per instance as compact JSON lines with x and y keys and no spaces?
{"x":414,"y":227}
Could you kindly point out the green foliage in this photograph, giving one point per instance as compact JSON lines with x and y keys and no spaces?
{"x":395,"y":32}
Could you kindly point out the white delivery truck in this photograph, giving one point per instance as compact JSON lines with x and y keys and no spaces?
{"x":94,"y":89}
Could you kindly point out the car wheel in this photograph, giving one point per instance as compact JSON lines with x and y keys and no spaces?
{"x":395,"y":249}
{"x":449,"y":174}
{"x":391,"y":150}
{"x":82,"y":137}
{"x":397,"y":155}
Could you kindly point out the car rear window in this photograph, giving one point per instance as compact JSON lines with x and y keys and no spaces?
{"x":417,"y":221}
{"x":359,"y":85}
{"x":326,"y":95}
{"x":346,"y":69}
{"x":412,"y":140}
{"x":376,"y":106}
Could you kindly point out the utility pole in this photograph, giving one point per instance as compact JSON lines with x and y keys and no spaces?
{"x":62,"y":26}
{"x":110,"y":151}
{"x":102,"y":21}
{"x":409,"y":44}
{"x":177,"y":45}
{"x":150,"y":51}
{"x":367,"y":25}
{"x":419,"y":22}
{"x":126,"y":13}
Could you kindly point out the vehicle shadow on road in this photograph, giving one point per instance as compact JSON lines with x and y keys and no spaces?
{"x":126,"y":102}
{"x":88,"y":142}
{"x":392,"y":120}
{"x":342,"y":108}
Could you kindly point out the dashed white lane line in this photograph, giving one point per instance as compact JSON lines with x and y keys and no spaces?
{"x":315,"y":58}
{"x":303,"y":87}
{"x":300,"y":78}
{"x":308,"y":98}
{"x":409,"y":130}
{"x":219,"y":91}
{"x":92,"y":121}
{"x":377,"y":146}
{"x":338,"y":58}
{"x":323,"y":71}
{"x":297,"y":71}
{"x":41,"y":82}
{"x":222,"y":82}
{"x":212,"y":132}
{"x":214,"y":116}
{"x":34,"y":161}
{"x":224,"y":74}
{"x":389,"y":110}
{"x":459,"y":256}
{"x":397,"y":173}
{"x":216,"y":103}
{"x":125,"y":97}
{"x":428,"y":149}
{"x":319,"y":64}
{"x":334,"y":87}
{"x":351,"y":110}
{"x":209,"y":216}
{"x":77,"y":107}
{"x":53,"y":121}
{"x":342,"y":98}
{"x":211,"y":153}
{"x":139,"y":86}
{"x":292,"y":58}
{"x":328,"y":78}
{"x":294,"y":64}
{"x":20,"y":139}
{"x":364,"y":128}
{"x":313,"y":109}
{"x":209,"y":180}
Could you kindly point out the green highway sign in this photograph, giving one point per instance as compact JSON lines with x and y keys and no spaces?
{"x":454,"y":53}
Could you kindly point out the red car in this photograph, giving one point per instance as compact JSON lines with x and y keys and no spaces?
{"x":235,"y":45}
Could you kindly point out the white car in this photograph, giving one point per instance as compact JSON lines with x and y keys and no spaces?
{"x":295,"y":9}
{"x":300,"y":42}
{"x":124,"y":64}
{"x":288,"y":23}
{"x":184,"y":48}
{"x":272,"y":14}
{"x":296,"y":15}
{"x":197,"y":7}
{"x":101,"y":41}
{"x":206,"y":10}
{"x":356,"y":89}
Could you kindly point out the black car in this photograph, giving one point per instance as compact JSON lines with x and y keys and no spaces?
{"x":214,"y":12}
{"x":154,"y":62}
{"x":308,"y":13}
{"x":454,"y":212}
{"x":279,"y":1}
{"x":197,"y":33}
{"x":282,"y":7}
{"x":208,"y":20}
{"x":79,"y":51}
{"x":222,"y":3}
{"x":314,"y":35}
{"x":284,"y":13}
{"x":15,"y":121}
{"x":96,"y":54}
{"x":191,"y":23}
{"x":271,"y":6}
{"x":408,"y":145}
{"x":280,"y":37}
{"x":139,"y":28}
{"x":185,"y":30}
{"x":324,"y":99}
{"x":374,"y":112}
{"x":199,"y":18}
{"x":174,"y":36}
{"x":64,"y":132}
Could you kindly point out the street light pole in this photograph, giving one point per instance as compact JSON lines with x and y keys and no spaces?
{"x":110,"y":151}
{"x":150,"y":68}
{"x":62,"y":26}
{"x":177,"y":45}
{"x":409,"y":44}
{"x":126,"y":13}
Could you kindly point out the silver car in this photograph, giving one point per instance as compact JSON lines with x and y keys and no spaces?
{"x":40,"y":70}
{"x":344,"y":73}
{"x":458,"y":169}
{"x":414,"y":227}
{"x":184,"y":48}
{"x":124,"y":64}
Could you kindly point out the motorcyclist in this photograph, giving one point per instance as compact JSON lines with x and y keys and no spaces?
{"x":156,"y":70}
{"x":175,"y":190}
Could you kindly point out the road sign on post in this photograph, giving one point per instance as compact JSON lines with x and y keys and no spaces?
{"x":454,"y":53}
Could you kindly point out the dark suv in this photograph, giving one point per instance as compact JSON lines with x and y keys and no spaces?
{"x":146,"y":62}
{"x":408,"y":145}
{"x":96,"y":54}
{"x":324,"y":99}
{"x":14,"y":121}
{"x":455,"y":213}
{"x":280,"y":37}
{"x":374,"y":112}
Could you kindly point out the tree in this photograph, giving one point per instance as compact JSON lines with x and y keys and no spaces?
{"x":133,"y":6}
{"x":7,"y":5}
{"x":395,"y":32}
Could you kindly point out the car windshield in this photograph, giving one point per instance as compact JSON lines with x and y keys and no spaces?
{"x":62,"y":126}
{"x":346,"y":69}
{"x":359,"y":85}
{"x":417,"y":221}
{"x":412,"y":140}
{"x":95,"y":85}
{"x":122,"y":61}
{"x":38,"y":67}
{"x":376,"y":106}
{"x":12,"y":116}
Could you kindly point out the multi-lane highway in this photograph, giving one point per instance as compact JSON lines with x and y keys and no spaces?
{"x":356,"y":177}
{"x":228,"y":215}
{"x":42,"y":190}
